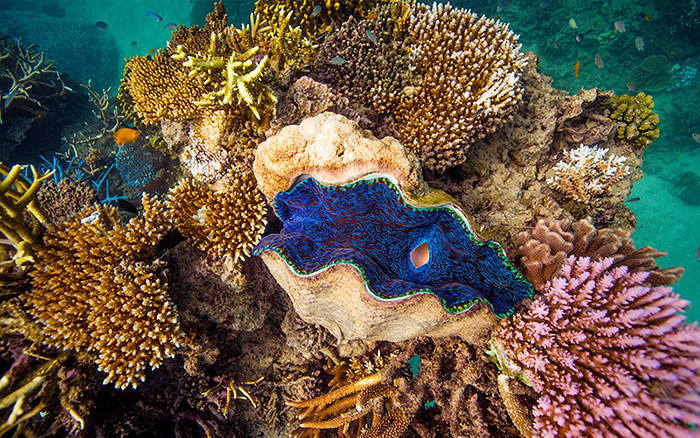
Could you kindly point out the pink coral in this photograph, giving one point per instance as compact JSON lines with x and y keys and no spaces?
{"x":608,"y":354}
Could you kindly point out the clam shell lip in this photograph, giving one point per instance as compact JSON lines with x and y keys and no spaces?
{"x":456,"y":306}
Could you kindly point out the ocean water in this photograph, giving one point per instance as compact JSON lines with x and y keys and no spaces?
{"x":667,"y":210}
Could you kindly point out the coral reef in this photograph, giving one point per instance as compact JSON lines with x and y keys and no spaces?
{"x":550,"y":243}
{"x":586,"y":172}
{"x":636,"y":374}
{"x":22,"y":219}
{"x":61,"y":200}
{"x":635,"y":119}
{"x":225,"y":224}
{"x":582,"y":119}
{"x":653,"y":74}
{"x":94,"y":277}
{"x":682,"y":77}
{"x":471,"y":68}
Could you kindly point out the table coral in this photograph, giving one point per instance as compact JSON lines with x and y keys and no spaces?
{"x":96,"y":289}
{"x":652,"y":74}
{"x":636,"y":121}
{"x":585,"y":172}
{"x":369,"y":225}
{"x":471,"y":68}
{"x":227,"y":223}
{"x":608,"y":354}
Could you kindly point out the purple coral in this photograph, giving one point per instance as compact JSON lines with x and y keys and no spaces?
{"x":609,"y":355}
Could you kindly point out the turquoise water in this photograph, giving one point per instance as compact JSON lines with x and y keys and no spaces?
{"x":67,"y":31}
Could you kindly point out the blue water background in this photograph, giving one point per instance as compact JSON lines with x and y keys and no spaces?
{"x":67,"y":31}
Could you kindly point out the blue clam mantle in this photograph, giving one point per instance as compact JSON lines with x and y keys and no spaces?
{"x":368,"y":225}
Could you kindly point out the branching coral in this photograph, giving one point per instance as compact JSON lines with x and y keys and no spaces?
{"x":27,"y":79}
{"x":225,"y":224}
{"x":17,"y":205}
{"x":636,"y":121}
{"x":95,"y":289}
{"x":585,"y":172}
{"x":545,"y":249}
{"x":608,"y":354}
{"x":471,"y":68}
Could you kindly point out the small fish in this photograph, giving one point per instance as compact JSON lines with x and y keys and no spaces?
{"x":133,"y":43}
{"x":171,"y":26}
{"x":322,"y":36}
{"x":639,"y":43}
{"x":479,"y":111}
{"x":101,"y":25}
{"x":635,"y":199}
{"x":371,"y":16}
{"x":572,"y":23}
{"x":127,"y":206}
{"x":620,"y":26}
{"x":153,"y":15}
{"x":599,"y":61}
{"x":696,"y":137}
{"x":317,"y":10}
{"x":337,"y":60}
{"x":125,"y":135}
{"x":500,"y":7}
{"x":631,"y":86}
{"x":152,"y":51}
{"x":578,"y":65}
{"x":579,"y":37}
{"x":372,"y":38}
{"x":557,"y":45}
{"x":643,"y":15}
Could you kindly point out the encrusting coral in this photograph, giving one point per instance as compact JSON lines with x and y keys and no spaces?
{"x":225,"y":224}
{"x":607,"y":353}
{"x":95,"y":278}
{"x":470,"y":68}
{"x":19,"y":204}
{"x":636,"y":121}
{"x":585,"y":172}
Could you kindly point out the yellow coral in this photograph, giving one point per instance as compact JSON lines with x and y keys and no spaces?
{"x":160,"y":88}
{"x":226,"y":224}
{"x":18,"y":204}
{"x":585,"y":172}
{"x":96,"y":289}
{"x":636,"y":121}
{"x":470,"y":69}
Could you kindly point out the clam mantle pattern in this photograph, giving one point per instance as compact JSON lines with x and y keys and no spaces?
{"x":399,"y":249}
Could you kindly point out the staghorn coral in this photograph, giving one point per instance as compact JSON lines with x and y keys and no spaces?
{"x":636,"y":121}
{"x":19,"y":205}
{"x":608,"y":354}
{"x":585,"y":173}
{"x":227,"y":223}
{"x":471,"y":68}
{"x":96,"y":290}
{"x":545,"y":249}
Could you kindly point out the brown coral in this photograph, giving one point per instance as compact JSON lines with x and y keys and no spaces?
{"x":96,"y":289}
{"x":636,"y":121}
{"x":471,"y":68}
{"x":227,"y":223}
{"x":545,"y":249}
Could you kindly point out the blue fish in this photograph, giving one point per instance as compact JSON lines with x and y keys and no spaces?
{"x":337,"y":60}
{"x":372,"y":38}
{"x":153,"y":15}
{"x":317,"y":10}
{"x":171,"y":26}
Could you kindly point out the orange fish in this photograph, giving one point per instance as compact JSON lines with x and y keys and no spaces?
{"x":152,"y":51}
{"x":125,"y":135}
{"x":371,"y":16}
{"x":578,"y":65}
